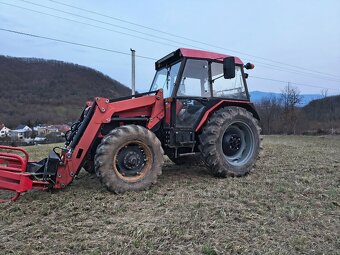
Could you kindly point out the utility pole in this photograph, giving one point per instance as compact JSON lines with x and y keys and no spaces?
{"x":133,"y":71}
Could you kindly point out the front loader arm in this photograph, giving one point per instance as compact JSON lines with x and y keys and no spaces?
{"x":101,"y":112}
{"x":58,"y":170}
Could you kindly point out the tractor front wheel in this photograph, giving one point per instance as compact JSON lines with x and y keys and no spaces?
{"x":230,"y":142}
{"x":129,"y":158}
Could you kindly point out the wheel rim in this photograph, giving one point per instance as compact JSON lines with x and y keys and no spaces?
{"x":132,"y":161}
{"x":238,"y":143}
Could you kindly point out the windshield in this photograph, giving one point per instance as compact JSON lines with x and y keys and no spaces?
{"x":165,"y":79}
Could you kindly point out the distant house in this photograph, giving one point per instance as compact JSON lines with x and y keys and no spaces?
{"x":63,"y":128}
{"x":4,"y":131}
{"x":45,"y":130}
{"x":20,"y":132}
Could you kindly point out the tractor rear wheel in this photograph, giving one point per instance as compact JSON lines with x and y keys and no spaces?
{"x":129,"y":158}
{"x":230,"y":142}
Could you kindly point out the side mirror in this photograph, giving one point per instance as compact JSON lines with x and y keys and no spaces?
{"x":229,"y":68}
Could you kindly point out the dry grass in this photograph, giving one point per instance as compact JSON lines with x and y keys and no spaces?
{"x":288,"y":205}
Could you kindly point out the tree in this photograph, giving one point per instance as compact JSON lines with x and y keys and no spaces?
{"x":324,"y":93}
{"x":331,"y":110}
{"x":291,"y":98}
{"x":270,"y":111}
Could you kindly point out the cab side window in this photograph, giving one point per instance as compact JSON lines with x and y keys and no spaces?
{"x":228,"y":88}
{"x":195,"y":82}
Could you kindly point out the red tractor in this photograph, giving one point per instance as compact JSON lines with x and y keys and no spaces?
{"x":198,"y":103}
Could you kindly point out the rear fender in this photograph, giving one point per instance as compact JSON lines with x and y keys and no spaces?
{"x":244,"y":104}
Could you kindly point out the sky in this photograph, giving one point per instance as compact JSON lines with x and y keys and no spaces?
{"x":288,"y":41}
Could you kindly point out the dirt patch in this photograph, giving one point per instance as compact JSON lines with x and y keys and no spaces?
{"x":289,"y":204}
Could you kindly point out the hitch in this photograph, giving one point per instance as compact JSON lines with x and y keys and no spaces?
{"x":14,"y":175}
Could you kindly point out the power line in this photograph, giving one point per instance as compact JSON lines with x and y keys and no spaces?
{"x":139,"y":56}
{"x":300,"y":84}
{"x":189,"y":39}
{"x":74,"y":43}
{"x":305,"y":74}
{"x":87,"y":24}
{"x":124,"y":21}
{"x":162,"y":38}
{"x":106,"y":23}
{"x":121,"y":27}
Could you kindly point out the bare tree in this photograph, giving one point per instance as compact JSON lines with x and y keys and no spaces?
{"x":324,"y":93}
{"x":291,"y":98}
{"x":331,"y":109}
{"x":270,"y":112}
{"x":332,"y":113}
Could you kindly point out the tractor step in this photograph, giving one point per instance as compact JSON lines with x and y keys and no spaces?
{"x":13,"y":172}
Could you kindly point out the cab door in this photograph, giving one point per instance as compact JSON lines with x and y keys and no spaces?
{"x":190,"y":101}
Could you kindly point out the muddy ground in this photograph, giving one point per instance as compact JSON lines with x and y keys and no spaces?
{"x":289,"y":204}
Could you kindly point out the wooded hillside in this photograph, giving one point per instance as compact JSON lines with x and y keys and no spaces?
{"x":48,"y":91}
{"x":320,"y":116}
{"x":326,"y":109}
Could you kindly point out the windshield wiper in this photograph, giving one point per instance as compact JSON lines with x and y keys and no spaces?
{"x":216,"y":78}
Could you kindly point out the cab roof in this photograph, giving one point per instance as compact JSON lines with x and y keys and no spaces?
{"x":191,"y":53}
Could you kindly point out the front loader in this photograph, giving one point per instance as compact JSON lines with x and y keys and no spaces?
{"x":198,"y":104}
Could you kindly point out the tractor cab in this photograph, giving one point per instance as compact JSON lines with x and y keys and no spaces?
{"x":200,"y":74}
{"x":194,"y":83}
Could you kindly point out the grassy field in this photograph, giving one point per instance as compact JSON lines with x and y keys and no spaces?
{"x":289,"y":204}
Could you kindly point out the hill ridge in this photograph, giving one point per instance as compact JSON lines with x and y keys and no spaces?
{"x":29,"y":84}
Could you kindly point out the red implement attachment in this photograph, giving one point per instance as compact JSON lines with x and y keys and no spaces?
{"x":13,"y":175}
